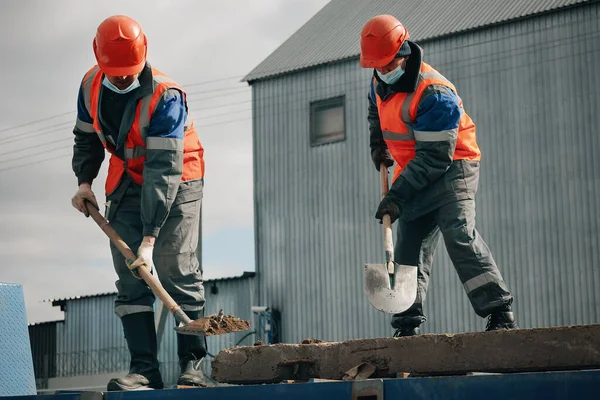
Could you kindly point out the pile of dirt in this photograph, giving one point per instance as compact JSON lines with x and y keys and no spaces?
{"x":215,"y":325}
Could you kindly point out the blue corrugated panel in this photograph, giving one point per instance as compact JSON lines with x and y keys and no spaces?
{"x":16,"y":364}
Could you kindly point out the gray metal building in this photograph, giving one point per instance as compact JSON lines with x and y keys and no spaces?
{"x":526,"y":71}
{"x":88,"y":347}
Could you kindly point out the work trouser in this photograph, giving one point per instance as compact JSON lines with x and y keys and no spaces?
{"x":455,"y":222}
{"x":175,"y":260}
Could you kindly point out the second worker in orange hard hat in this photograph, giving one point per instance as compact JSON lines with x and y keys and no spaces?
{"x":153,"y":192}
{"x":417,"y":121}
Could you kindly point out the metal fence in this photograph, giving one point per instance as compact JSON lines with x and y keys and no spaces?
{"x":91,"y":362}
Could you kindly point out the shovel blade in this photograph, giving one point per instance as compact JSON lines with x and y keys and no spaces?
{"x":391,"y":294}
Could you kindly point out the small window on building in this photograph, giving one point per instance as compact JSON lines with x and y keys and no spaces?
{"x":327,"y":119}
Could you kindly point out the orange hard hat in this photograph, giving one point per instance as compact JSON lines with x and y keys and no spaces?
{"x":120,"y":46}
{"x":380,"y":40}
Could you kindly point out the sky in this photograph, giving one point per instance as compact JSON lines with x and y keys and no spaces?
{"x":46,"y":245}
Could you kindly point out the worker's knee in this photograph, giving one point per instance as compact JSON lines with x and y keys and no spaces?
{"x":181,"y":277}
{"x":180,"y":232}
{"x":457,"y":222}
{"x":182,"y":266}
{"x":122,"y":310}
{"x":458,"y":237}
{"x":133,"y":296}
{"x":189,"y":294}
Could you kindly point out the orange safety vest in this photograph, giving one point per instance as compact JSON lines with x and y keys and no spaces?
{"x":398,"y":113}
{"x":135,"y":144}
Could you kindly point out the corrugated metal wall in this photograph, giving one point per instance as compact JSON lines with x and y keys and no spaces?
{"x":43,"y":351}
{"x":531,"y":89}
{"x":91,"y":340}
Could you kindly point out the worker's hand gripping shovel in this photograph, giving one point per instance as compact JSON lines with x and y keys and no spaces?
{"x":206,"y":326}
{"x":390,"y":287}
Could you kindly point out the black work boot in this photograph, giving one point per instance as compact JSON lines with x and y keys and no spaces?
{"x":141,"y":341}
{"x":502,"y":318}
{"x":191,"y":350}
{"x":407,"y":323}
{"x":407,"y":331}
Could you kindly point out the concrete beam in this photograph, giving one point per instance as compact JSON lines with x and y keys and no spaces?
{"x":520,"y":350}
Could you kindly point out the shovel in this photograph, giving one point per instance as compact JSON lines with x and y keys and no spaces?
{"x":390,"y":287}
{"x":205,"y":326}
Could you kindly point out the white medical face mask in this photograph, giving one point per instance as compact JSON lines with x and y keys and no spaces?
{"x":108,"y":84}
{"x":392,"y":77}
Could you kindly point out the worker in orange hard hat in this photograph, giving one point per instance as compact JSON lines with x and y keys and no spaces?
{"x":153,"y":192}
{"x":418,"y":122}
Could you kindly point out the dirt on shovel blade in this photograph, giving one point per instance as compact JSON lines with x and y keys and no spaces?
{"x":212,"y":325}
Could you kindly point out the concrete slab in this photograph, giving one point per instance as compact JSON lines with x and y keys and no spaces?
{"x":521,"y":350}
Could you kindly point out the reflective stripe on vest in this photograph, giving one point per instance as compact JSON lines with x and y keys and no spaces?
{"x":86,"y":86}
{"x":135,"y":152}
{"x":84,"y":126}
{"x":398,"y":113}
{"x":136,"y":144}
{"x":91,"y":80}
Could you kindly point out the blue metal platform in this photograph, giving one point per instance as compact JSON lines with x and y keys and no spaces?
{"x":538,"y":385}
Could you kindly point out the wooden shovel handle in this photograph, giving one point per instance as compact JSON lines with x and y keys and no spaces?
{"x":129,"y":255}
{"x":388,"y":241}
